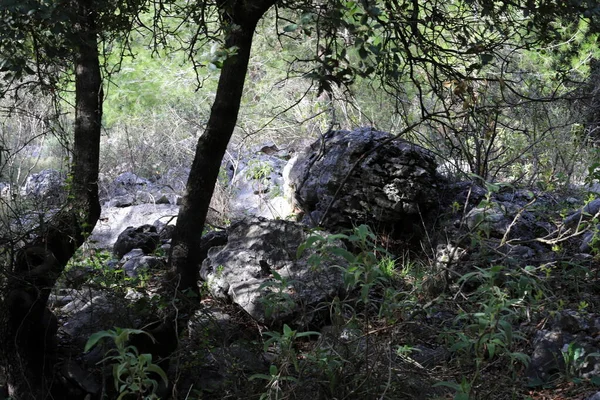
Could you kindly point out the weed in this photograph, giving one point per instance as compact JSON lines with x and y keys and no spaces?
{"x":131,"y":370}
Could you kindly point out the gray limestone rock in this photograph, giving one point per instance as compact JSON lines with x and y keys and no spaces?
{"x":364,"y":176}
{"x":144,"y":237}
{"x":258,"y":270}
{"x":114,"y":220}
{"x":569,"y":348}
{"x":46,"y":186}
{"x":135,"y":265}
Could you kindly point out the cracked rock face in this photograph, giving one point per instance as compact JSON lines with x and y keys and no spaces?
{"x":258,"y":270}
{"x":362,"y":176}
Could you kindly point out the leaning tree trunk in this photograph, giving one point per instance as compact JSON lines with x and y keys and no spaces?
{"x":28,"y":329}
{"x":185,"y":257}
{"x":211,"y":147}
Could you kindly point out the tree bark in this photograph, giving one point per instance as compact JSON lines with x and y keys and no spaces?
{"x":211,"y":147}
{"x":28,"y":331}
{"x":240,"y":18}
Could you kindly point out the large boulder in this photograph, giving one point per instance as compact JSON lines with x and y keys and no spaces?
{"x":46,"y":186}
{"x":364,"y":176}
{"x":143,"y":237}
{"x":258,"y":270}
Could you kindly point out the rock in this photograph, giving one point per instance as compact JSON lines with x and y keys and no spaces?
{"x":220,"y":368}
{"x":134,"y":253}
{"x":257,"y":187}
{"x":143,"y":237}
{"x":511,"y":213}
{"x":430,"y":357}
{"x":587,"y":213}
{"x":175,"y":179}
{"x":447,"y":255}
{"x":125,"y":200}
{"x":91,"y":312}
{"x":245,"y":271}
{"x":493,"y":220}
{"x":567,"y":349}
{"x":128,"y":183}
{"x":135,"y":265}
{"x":84,"y":380}
{"x":114,"y":221}
{"x":595,"y":396}
{"x":364,"y":176}
{"x":211,"y":324}
{"x":210,"y":240}
{"x":547,"y":360}
{"x":5,"y":189}
{"x":580,"y":220}
{"x":165,"y":232}
{"x":46,"y":186}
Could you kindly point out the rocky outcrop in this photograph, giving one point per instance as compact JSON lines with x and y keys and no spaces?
{"x":259,"y":271}
{"x":46,"y":186}
{"x":365,"y":176}
{"x":128,"y":189}
{"x":256,"y":184}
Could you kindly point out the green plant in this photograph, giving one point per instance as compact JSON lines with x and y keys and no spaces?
{"x":485,"y":324}
{"x":132,"y":372}
{"x":363,"y":270}
{"x":283,"y":344}
{"x":259,"y":171}
{"x":462,"y":390}
{"x":277,"y":299}
{"x":575,"y":358}
{"x":573,"y":355}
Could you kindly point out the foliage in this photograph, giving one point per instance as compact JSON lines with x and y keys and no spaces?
{"x":283,"y":344}
{"x":498,"y":89}
{"x":132,"y":372}
{"x":368,"y":268}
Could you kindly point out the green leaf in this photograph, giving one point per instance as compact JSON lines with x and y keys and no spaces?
{"x":96,"y":337}
{"x":145,"y":358}
{"x":338,"y":251}
{"x":307,"y":333}
{"x":259,"y":376}
{"x":451,"y":385}
{"x":491,"y":349}
{"x":157,"y":370}
{"x":287,"y":331}
{"x":290,"y":28}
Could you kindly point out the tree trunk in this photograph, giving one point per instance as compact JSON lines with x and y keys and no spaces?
{"x":185,"y":257}
{"x":211,"y":147}
{"x":28,"y":331}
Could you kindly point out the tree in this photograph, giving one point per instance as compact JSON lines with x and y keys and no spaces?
{"x":401,"y":42}
{"x":39,"y":43}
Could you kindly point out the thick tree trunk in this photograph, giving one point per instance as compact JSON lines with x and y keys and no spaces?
{"x":27,"y":335}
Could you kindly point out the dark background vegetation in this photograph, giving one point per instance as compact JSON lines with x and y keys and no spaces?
{"x":500,"y":91}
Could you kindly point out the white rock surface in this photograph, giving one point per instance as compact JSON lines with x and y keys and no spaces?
{"x":115,"y":220}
